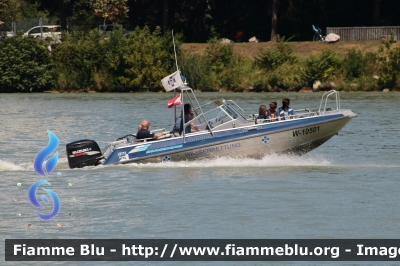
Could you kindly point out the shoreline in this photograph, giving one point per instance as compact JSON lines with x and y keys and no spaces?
{"x":256,"y":92}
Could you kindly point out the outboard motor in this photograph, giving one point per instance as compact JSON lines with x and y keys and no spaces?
{"x":83,"y":153}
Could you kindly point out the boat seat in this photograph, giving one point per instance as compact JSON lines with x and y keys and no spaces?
{"x":145,"y":140}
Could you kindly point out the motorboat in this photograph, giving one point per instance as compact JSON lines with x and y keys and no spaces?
{"x":224,"y":131}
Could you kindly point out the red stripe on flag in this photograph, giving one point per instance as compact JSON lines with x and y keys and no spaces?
{"x":174,"y":101}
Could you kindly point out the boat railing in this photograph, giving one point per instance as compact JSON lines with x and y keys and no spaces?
{"x":117,"y":143}
{"x":325,"y":97}
{"x":298,"y":113}
{"x":301,"y":113}
{"x":166,"y":136}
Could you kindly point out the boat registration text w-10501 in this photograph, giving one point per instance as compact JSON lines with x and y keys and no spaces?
{"x":305,"y":131}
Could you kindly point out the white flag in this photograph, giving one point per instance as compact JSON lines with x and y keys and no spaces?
{"x":172,"y":81}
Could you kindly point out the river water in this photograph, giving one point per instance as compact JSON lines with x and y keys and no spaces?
{"x":347,"y":188}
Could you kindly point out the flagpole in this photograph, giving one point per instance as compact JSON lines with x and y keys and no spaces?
{"x":174,"y":108}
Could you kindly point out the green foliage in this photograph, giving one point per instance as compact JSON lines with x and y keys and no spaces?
{"x":114,"y":65}
{"x":370,"y":58}
{"x":111,"y":10}
{"x":390,"y":41}
{"x":354,"y":64}
{"x":146,"y":60}
{"x":196,"y":70}
{"x":286,"y":76}
{"x":21,"y":11}
{"x":219,"y":56}
{"x":390,"y":66}
{"x":25,"y":65}
{"x":138,"y":61}
{"x":214,"y":33}
{"x":321,"y":66}
{"x":82,"y":17}
{"x":276,"y":56}
{"x":78,"y":57}
{"x":219,"y":69}
{"x":367,"y":83}
{"x":113,"y":62}
{"x":240,"y":76}
{"x":10,"y":9}
{"x":170,"y":49}
{"x":390,"y":69}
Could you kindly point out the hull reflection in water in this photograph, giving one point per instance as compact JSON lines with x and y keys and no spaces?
{"x":224,"y":131}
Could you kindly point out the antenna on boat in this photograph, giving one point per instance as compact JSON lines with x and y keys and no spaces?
{"x":177,"y":69}
{"x":176,"y":59}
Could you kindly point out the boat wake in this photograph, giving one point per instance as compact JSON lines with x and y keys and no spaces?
{"x":268,"y":161}
{"x":28,"y":166}
{"x":8,"y":166}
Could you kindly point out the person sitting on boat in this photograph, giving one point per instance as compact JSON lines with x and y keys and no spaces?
{"x":286,"y":112}
{"x":272,"y":114}
{"x":138,"y":129}
{"x":177,"y":126}
{"x":144,"y":132}
{"x":262,"y":114}
{"x":188,"y":117}
{"x":193,"y":127}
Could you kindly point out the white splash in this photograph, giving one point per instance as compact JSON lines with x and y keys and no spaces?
{"x":8,"y":166}
{"x":267,"y":161}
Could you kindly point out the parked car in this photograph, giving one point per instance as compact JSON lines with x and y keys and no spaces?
{"x":6,"y":34}
{"x":52,"y":31}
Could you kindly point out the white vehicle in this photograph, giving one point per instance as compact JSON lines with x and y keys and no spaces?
{"x":52,"y":31}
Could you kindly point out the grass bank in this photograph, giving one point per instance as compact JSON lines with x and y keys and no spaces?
{"x":301,"y":49}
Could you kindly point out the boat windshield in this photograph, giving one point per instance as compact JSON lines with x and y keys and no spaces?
{"x":217,"y":112}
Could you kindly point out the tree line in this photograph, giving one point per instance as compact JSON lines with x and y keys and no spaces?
{"x":116,"y":62}
{"x":198,"y":20}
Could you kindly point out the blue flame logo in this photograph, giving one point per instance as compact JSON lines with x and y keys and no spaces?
{"x":41,"y":156}
{"x":35,"y":202}
{"x":50,"y":165}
